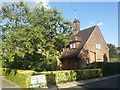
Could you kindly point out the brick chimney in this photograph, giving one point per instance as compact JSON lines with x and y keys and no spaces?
{"x":76,"y":25}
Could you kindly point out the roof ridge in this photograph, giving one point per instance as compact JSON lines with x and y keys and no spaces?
{"x":89,"y":27}
{"x":85,"y":35}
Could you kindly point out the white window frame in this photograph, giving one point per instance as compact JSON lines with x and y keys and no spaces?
{"x":98,"y":46}
{"x":73,"y":45}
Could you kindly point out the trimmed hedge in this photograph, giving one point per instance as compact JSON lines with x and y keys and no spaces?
{"x":108,"y":68}
{"x":1,"y":70}
{"x":88,"y":73}
{"x":56,"y":77}
{"x":111,"y":68}
{"x":23,"y":77}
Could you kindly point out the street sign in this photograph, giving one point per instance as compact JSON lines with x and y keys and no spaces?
{"x":38,"y":80}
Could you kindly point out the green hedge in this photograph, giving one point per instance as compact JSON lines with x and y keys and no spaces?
{"x":56,"y":77}
{"x":60,"y":76}
{"x":19,"y":77}
{"x":1,"y":70}
{"x":23,"y":77}
{"x":88,"y":73}
{"x":111,"y":68}
{"x":108,"y":68}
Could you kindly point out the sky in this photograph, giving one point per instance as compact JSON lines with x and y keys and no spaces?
{"x":103,"y":14}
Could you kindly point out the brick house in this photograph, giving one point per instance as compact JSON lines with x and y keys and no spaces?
{"x":87,"y":46}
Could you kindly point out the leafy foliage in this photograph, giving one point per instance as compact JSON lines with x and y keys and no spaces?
{"x":112,"y":51}
{"x":33,"y":39}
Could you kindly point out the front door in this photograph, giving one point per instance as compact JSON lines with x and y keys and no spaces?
{"x":73,"y":64}
{"x":65,"y":64}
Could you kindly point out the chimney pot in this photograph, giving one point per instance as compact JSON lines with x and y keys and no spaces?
{"x":76,"y":25}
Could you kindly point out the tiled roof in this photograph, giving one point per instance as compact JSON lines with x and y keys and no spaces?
{"x":84,"y":35}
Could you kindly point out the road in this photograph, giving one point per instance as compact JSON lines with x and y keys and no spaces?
{"x":113,"y":82}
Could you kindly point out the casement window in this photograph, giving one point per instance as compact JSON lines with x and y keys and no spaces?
{"x":98,"y":46}
{"x":73,"y":45}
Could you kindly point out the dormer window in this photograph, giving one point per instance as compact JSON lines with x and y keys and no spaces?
{"x":98,"y":46}
{"x":73,"y":45}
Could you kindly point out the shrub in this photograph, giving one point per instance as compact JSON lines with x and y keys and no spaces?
{"x":23,"y":77}
{"x":60,"y":76}
{"x":55,"y":77}
{"x":88,"y":73}
{"x":2,"y":71}
{"x":108,"y":68}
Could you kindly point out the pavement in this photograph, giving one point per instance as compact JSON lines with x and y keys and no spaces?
{"x":7,"y":83}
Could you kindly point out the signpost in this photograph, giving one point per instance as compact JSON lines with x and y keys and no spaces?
{"x":38,"y":81}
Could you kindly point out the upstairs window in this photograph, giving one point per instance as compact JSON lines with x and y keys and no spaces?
{"x":98,"y":46}
{"x":73,"y":45}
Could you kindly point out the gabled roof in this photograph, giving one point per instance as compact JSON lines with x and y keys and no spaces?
{"x":84,"y":35}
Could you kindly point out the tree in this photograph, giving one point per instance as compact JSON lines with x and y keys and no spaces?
{"x":33,"y":39}
{"x":112,"y":50}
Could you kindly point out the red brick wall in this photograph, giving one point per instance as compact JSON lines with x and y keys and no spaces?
{"x":96,"y":37}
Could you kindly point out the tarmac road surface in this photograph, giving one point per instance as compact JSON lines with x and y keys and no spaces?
{"x":110,"y":83}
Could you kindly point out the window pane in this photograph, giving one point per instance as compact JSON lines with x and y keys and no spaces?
{"x":74,"y":45}
{"x":96,"y":46}
{"x":99,"y":46}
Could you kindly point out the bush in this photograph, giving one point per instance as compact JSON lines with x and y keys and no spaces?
{"x":88,"y":73}
{"x":108,"y":68}
{"x":60,"y":76}
{"x":56,"y":77}
{"x":2,"y":71}
{"x":111,"y":68}
{"x":48,"y":65}
{"x":23,"y":77}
